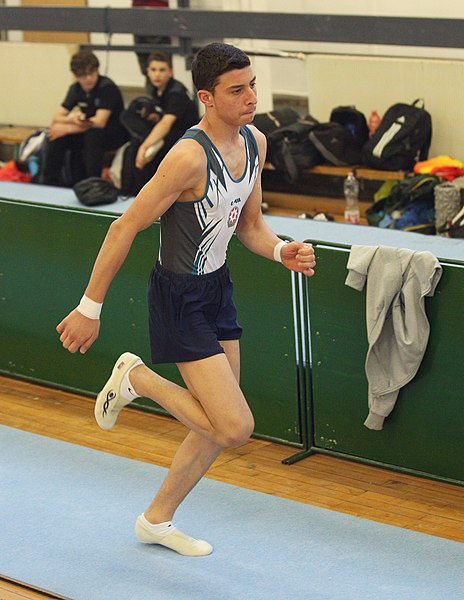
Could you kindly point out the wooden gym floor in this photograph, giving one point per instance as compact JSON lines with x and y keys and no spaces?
{"x":415,"y":503}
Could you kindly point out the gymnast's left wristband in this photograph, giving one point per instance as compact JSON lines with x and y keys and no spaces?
{"x":277,"y":248}
{"x":89,"y":308}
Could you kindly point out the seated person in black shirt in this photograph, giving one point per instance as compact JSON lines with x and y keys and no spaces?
{"x":153,"y":135}
{"x":87,"y":132}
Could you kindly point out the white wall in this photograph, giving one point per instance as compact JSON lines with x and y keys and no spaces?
{"x":292,"y":75}
{"x":36,"y":78}
{"x":377,"y":83}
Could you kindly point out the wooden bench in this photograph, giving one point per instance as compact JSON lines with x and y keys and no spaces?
{"x":320,"y":190}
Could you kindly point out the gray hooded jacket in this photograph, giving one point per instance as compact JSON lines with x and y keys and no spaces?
{"x":397,"y":326}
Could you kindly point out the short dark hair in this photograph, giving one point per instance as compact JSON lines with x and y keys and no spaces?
{"x":213,"y":60}
{"x":84,"y":61}
{"x":160,"y":56}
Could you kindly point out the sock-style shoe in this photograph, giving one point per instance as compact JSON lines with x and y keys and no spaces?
{"x":110,"y":401}
{"x":177,"y":541}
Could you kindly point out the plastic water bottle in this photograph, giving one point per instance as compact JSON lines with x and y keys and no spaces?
{"x":351,"y":191}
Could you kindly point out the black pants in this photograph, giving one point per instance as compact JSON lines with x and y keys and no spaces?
{"x":71,"y":158}
{"x":133,"y":179}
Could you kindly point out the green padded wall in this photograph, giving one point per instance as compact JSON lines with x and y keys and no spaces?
{"x":46,"y":258}
{"x":45,"y":261}
{"x":269,"y":371}
{"x":425,"y":430}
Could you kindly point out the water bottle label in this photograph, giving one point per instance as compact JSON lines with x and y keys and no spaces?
{"x":352,"y":216}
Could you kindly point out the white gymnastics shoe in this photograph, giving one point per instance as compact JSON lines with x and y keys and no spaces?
{"x":110,"y":400}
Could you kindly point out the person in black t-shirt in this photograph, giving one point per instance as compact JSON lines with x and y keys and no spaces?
{"x":88,"y":132}
{"x":154,"y":135}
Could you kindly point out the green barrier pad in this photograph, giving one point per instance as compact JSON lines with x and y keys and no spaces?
{"x":424,"y":432}
{"x":46,"y":257}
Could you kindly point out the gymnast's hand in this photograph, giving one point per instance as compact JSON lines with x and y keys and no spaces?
{"x":298,"y":256}
{"x":78,"y":332}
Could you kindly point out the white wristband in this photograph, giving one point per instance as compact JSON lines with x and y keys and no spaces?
{"x":277,"y":248}
{"x":89,"y":308}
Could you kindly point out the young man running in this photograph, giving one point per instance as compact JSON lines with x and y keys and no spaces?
{"x":207,"y":187}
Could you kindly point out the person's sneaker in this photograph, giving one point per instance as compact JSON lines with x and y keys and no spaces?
{"x":177,"y":541}
{"x":110,"y":401}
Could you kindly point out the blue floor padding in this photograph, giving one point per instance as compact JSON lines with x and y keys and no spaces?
{"x":298,"y":229}
{"x":67,"y":516}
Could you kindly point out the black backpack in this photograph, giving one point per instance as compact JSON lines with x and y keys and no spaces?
{"x":402,"y":138}
{"x":291,"y":151}
{"x":274,"y":119}
{"x":138,"y":119}
{"x":336,"y":144}
{"x":269,"y":122}
{"x":354,"y":122}
{"x":94,"y":191}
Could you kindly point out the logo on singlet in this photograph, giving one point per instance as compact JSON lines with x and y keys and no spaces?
{"x":233,"y":216}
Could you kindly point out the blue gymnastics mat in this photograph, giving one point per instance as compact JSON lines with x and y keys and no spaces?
{"x":67,"y":516}
{"x":297,"y":229}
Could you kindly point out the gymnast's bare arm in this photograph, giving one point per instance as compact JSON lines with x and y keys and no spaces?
{"x":181,"y":174}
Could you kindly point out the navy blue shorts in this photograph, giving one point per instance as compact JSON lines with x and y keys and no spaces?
{"x":190,"y":314}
